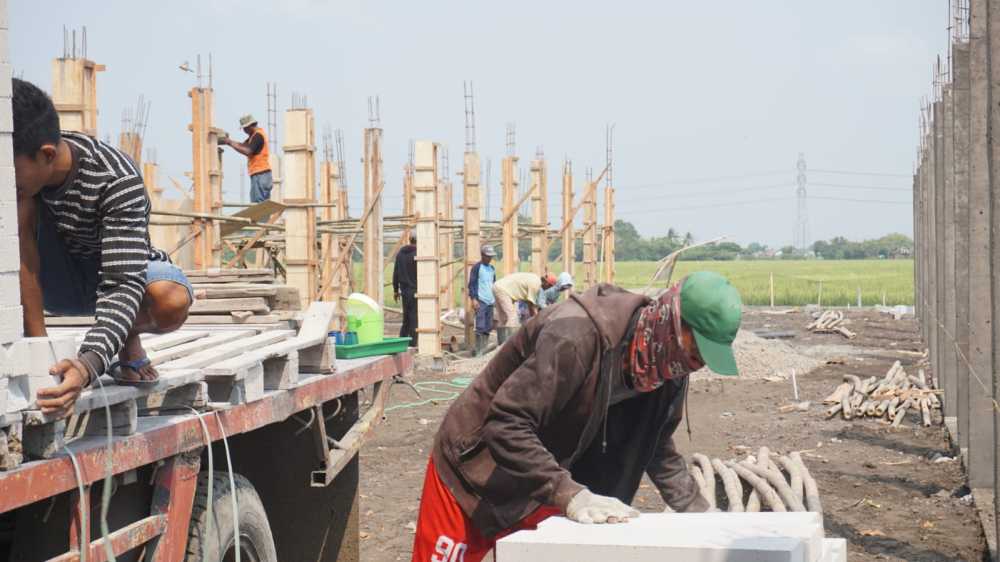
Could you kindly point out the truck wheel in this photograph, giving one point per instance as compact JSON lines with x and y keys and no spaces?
{"x":214,"y":541}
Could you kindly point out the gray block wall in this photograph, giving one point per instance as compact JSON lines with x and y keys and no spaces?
{"x":11,"y":321}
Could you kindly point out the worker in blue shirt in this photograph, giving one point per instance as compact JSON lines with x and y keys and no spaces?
{"x":481,"y":280}
{"x":550,"y":295}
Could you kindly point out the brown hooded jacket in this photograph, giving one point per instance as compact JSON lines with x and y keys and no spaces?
{"x":535,"y":427}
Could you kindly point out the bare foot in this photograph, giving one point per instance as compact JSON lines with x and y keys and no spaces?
{"x":133,"y":351}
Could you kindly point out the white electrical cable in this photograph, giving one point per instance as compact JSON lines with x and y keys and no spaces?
{"x":211,"y":466}
{"x":109,"y":476}
{"x":84,"y":524}
{"x":232,"y":486}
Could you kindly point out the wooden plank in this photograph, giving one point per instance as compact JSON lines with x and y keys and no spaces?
{"x":156,"y":342}
{"x":256,"y":212}
{"x":315,"y":326}
{"x":227,"y":350}
{"x":209,"y":306}
{"x":69,"y":321}
{"x":234,"y":290}
{"x":241,"y":362}
{"x":253,"y":320}
{"x":166,"y":355}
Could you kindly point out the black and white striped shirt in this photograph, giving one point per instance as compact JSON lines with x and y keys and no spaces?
{"x":103,"y":210}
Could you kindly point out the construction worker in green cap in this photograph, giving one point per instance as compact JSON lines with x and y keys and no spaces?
{"x":571,"y":412}
{"x":258,"y":154}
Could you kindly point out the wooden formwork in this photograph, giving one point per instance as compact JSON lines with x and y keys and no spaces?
{"x":471,"y":230}
{"x":608,"y":238}
{"x":425,"y":187}
{"x":540,"y":217}
{"x":590,"y":236}
{"x":509,"y":183}
{"x":373,"y":244}
{"x":332,"y":245}
{"x":568,"y":250}
{"x":301,"y":263}
{"x":207,"y":178}
{"x":74,"y":93}
{"x":446,"y":244}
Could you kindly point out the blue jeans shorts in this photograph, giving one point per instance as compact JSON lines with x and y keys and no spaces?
{"x":69,"y":283}
{"x":260,"y":186}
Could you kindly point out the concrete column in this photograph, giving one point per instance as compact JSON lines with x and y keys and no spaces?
{"x":960,"y":133}
{"x":980,"y":446}
{"x":947,"y":350}
{"x":991,"y":375}
{"x":938,"y":354}
{"x":935,"y":233}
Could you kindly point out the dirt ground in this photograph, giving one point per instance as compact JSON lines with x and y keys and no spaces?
{"x":880,"y":488}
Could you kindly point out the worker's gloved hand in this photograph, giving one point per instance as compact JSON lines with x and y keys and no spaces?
{"x":587,"y":507}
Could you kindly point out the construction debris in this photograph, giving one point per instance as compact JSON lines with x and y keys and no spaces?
{"x":831,"y":322}
{"x":759,"y":358}
{"x":774,"y":483}
{"x":888,"y":398}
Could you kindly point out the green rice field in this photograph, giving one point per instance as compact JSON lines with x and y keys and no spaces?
{"x":796,"y":282}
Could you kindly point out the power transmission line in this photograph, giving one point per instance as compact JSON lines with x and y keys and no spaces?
{"x":879,"y":201}
{"x":875,"y":187}
{"x":852,"y":173}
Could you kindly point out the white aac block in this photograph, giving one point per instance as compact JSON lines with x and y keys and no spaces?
{"x":835,"y":550}
{"x":10,"y":260}
{"x":677,"y":537}
{"x":8,"y":213}
{"x":10,"y":286}
{"x":26,"y":363}
{"x":8,"y":190}
{"x":6,"y":140}
{"x":11,"y":323}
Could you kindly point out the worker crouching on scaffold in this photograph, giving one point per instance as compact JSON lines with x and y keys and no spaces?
{"x":571,"y":412}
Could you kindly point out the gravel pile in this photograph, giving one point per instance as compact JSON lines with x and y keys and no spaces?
{"x":759,"y":358}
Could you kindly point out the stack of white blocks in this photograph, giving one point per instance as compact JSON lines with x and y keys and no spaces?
{"x":11,"y":321}
{"x":10,"y":293}
{"x":679,"y":537}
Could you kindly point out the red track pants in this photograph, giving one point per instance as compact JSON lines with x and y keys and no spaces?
{"x":445,"y":534}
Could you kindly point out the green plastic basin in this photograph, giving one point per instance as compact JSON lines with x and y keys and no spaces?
{"x":387,"y":346}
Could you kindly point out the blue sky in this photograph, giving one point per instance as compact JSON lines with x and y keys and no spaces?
{"x":696,"y":90}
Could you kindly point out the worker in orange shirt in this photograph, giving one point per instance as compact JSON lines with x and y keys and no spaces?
{"x":258,"y":158}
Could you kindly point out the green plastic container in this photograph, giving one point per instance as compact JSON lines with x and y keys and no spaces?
{"x":387,"y":346}
{"x":364,"y":316}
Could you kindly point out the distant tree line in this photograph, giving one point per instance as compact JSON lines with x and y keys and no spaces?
{"x":631,"y":246}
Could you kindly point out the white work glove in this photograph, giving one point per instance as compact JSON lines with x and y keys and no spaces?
{"x":587,"y":507}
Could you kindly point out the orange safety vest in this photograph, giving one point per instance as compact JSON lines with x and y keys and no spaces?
{"x":260,"y":162}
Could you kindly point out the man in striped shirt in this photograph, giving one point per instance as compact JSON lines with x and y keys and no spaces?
{"x":83,"y":218}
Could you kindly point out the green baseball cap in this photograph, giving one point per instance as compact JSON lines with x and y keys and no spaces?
{"x":713,"y":309}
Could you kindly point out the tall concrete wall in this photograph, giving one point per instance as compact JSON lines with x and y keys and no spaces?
{"x":11,"y":320}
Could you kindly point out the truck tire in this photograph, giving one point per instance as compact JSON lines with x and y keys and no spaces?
{"x":214,"y":541}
